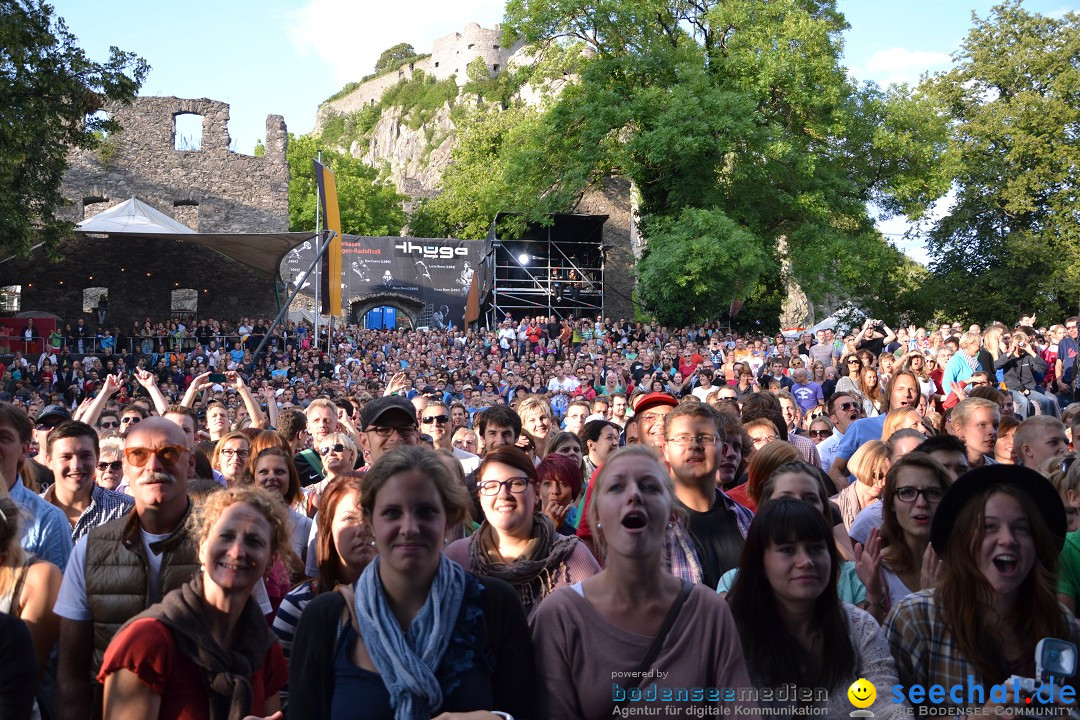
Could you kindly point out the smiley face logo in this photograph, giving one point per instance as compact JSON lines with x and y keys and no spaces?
{"x":861,"y":693}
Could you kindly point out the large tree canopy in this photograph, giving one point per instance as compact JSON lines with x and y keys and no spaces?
{"x":1012,"y":239}
{"x":49,"y":94}
{"x":369,"y":205}
{"x":743,"y":134}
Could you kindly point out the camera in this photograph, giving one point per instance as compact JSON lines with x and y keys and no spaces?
{"x":1054,"y":660}
{"x":1022,"y":344}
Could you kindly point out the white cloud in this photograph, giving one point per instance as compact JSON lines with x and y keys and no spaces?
{"x":900,"y":65}
{"x":1061,"y":12}
{"x":349,"y":36}
{"x":897,"y":227}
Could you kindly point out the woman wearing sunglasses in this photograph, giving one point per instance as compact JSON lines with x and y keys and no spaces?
{"x":898,"y":559}
{"x":110,"y":465}
{"x":338,"y":453}
{"x":516,"y":542}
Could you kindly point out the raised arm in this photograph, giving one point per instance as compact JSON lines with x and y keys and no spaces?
{"x":258,"y":418}
{"x":149,"y":382}
{"x":197,"y":383}
{"x":109,"y":388}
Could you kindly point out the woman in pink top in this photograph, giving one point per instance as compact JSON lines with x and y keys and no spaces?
{"x":634,"y":638}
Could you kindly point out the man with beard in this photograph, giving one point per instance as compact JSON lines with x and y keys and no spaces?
{"x":903,"y":391}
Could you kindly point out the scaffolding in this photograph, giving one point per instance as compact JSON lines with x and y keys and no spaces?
{"x":555,"y":269}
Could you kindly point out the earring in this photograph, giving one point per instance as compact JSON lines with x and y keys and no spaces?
{"x":598,"y":526}
{"x":372,"y":543}
{"x":670,"y":525}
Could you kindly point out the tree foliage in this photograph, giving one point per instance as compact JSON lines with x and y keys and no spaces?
{"x":1012,"y":238}
{"x":369,"y":204}
{"x":737,"y":119}
{"x":392,"y":57}
{"x":50,"y":95}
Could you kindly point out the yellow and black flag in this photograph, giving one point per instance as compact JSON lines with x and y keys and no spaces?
{"x":330,"y":290}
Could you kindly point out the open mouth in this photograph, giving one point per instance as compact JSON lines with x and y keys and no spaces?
{"x":1006,"y":563}
{"x":634,"y":521}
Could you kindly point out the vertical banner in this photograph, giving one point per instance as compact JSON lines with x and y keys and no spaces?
{"x":331,"y":263}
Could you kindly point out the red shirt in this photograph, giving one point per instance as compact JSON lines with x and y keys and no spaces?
{"x":148,"y":649}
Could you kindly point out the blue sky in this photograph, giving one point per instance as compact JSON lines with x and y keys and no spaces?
{"x":286,"y":56}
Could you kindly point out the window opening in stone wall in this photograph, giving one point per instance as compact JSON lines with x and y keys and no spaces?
{"x":187,"y":212}
{"x":472,"y":45}
{"x":494,"y":47}
{"x":495,"y":67}
{"x":11,"y":298}
{"x":92,"y":205}
{"x":187,"y":131}
{"x":91,"y":296}
{"x":185,"y":302}
{"x":436,"y":63}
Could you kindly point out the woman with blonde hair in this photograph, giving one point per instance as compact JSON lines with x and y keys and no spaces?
{"x":205,"y":650}
{"x":869,"y":465}
{"x":536,"y":417}
{"x":338,"y":453}
{"x":901,"y":418}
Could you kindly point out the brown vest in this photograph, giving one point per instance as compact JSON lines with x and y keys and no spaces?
{"x":118,"y":574}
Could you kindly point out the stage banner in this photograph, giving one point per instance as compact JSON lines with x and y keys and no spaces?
{"x":436,"y":275}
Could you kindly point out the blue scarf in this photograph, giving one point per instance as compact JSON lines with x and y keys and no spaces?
{"x":407,"y":661}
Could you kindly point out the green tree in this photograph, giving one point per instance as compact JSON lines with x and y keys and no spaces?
{"x":260,"y":149}
{"x":50,"y":95}
{"x":369,"y":204}
{"x":1012,"y":239}
{"x":736,"y":118}
{"x":392,"y":57}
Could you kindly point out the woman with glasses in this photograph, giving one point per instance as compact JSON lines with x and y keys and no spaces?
{"x":869,"y":465}
{"x":850,"y":372}
{"x":897,"y":559}
{"x":110,"y":466}
{"x":230,"y":457}
{"x":820,"y":429}
{"x":416,"y":635}
{"x":338,"y":453}
{"x":516,"y":542}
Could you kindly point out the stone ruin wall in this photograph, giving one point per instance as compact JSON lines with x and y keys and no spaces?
{"x":450,"y":55}
{"x":211,"y":190}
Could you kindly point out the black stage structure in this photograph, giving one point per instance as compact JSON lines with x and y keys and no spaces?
{"x":549,"y":269}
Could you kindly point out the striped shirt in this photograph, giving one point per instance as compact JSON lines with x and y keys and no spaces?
{"x":105,"y":506}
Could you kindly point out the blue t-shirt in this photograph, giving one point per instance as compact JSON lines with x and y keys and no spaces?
{"x":859,"y":432}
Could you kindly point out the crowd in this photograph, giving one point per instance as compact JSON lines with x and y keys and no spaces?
{"x":548,"y":519}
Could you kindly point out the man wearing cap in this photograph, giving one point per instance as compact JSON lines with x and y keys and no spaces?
{"x":651,"y":410}
{"x":38,"y":465}
{"x":385,"y":423}
{"x":45,"y":530}
{"x":72,"y":449}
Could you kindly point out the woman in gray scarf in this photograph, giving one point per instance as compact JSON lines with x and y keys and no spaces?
{"x":517,"y":543}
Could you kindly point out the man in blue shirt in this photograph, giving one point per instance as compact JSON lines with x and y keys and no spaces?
{"x":46,"y":531}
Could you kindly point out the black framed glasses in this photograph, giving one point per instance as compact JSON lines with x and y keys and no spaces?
{"x":108,"y":425}
{"x":386,"y":431}
{"x":820,"y":433}
{"x":909,"y":494}
{"x":441,"y":419}
{"x":234,"y":453}
{"x":130,"y":420}
{"x":114,"y":465}
{"x":327,"y":449}
{"x":516,"y":485}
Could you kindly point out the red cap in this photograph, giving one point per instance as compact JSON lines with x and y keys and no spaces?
{"x":652,"y":400}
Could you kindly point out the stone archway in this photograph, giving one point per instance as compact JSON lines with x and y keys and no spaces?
{"x":408,"y":307}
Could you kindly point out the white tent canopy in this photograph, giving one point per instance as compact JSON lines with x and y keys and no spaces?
{"x":135,"y":219}
{"x":133,"y":216}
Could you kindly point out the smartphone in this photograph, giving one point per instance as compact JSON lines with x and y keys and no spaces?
{"x":217,"y":377}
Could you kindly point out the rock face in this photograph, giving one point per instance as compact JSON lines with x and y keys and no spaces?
{"x":416,"y":158}
{"x":205,"y":186}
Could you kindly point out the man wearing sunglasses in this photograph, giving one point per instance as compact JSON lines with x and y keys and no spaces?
{"x":843,"y":410}
{"x":388,"y":422}
{"x":435,"y":420}
{"x":72,"y":449}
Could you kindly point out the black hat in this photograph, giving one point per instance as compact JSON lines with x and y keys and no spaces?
{"x":1037,"y":487}
{"x":379,"y":407}
{"x":56,"y":411}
